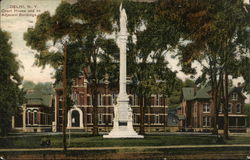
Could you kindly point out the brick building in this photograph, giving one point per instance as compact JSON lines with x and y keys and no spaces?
{"x":35,"y":115}
{"x":197,"y":110}
{"x":80,"y":114}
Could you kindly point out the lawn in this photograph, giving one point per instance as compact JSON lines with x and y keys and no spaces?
{"x":83,"y":140}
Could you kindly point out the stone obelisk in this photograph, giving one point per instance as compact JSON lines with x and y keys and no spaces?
{"x":123,"y":121}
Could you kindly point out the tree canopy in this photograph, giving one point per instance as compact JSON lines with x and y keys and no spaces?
{"x":11,"y":96}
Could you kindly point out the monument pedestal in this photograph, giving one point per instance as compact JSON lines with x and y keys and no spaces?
{"x":123,"y":128}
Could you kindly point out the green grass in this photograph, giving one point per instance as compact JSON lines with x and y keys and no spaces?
{"x":81,"y":140}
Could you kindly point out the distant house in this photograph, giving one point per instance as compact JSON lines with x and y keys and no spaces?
{"x":35,"y":115}
{"x":197,"y":110}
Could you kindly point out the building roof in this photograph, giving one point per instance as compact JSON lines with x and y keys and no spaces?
{"x":203,"y":93}
{"x":188,"y":93}
{"x":191,"y":94}
{"x":59,"y":85}
{"x":38,"y":98}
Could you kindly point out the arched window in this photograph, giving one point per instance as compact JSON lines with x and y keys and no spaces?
{"x":30,"y":118}
{"x":35,"y":116}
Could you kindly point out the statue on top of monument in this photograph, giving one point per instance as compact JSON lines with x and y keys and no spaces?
{"x":123,"y":20}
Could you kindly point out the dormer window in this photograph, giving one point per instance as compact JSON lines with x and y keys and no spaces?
{"x":234,"y":96}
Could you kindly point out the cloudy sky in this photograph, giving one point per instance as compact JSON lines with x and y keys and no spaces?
{"x":17,"y":25}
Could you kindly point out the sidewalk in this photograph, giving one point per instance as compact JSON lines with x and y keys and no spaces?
{"x":126,"y":148}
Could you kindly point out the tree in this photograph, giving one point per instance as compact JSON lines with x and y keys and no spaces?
{"x":217,"y":33}
{"x":78,"y":30}
{"x":11,"y":96}
{"x":146,"y":55}
{"x":247,"y":112}
{"x":45,"y":88}
{"x":28,"y":85}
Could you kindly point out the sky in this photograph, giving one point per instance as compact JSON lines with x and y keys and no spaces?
{"x":17,"y":24}
{"x":15,"y":21}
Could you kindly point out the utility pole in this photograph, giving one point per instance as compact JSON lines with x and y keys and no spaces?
{"x":65,"y":108}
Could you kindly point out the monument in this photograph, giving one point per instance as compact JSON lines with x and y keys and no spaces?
{"x":123,"y":121}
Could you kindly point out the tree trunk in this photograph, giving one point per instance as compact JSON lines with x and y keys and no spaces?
{"x":214,"y":90}
{"x":215,"y":118}
{"x":142,"y":113}
{"x":65,"y":90}
{"x":226,"y":106}
{"x":218,"y":102}
{"x":95,"y":110}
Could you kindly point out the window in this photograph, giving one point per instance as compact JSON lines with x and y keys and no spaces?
{"x":81,"y":99}
{"x":238,"y":108}
{"x":100,"y":118}
{"x":157,"y":119}
{"x":157,"y":100}
{"x":89,"y":118}
{"x":234,"y":96}
{"x":42,"y":118}
{"x":76,"y":99}
{"x":89,"y":100}
{"x":130,"y":100}
{"x":46,"y":118}
{"x":27,"y":117}
{"x":60,"y":102}
{"x":229,"y":108}
{"x":30,"y":118}
{"x":104,"y":102}
{"x":206,"y":121}
{"x":35,"y":117}
{"x":99,"y":99}
{"x":109,"y":100}
{"x":135,"y":100}
{"x":152,"y":101}
{"x":206,"y":108}
{"x":136,"y":118}
{"x":162,"y":101}
{"x":220,"y":109}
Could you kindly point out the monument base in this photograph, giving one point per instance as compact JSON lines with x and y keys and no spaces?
{"x":123,"y":129}
{"x":123,"y":132}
